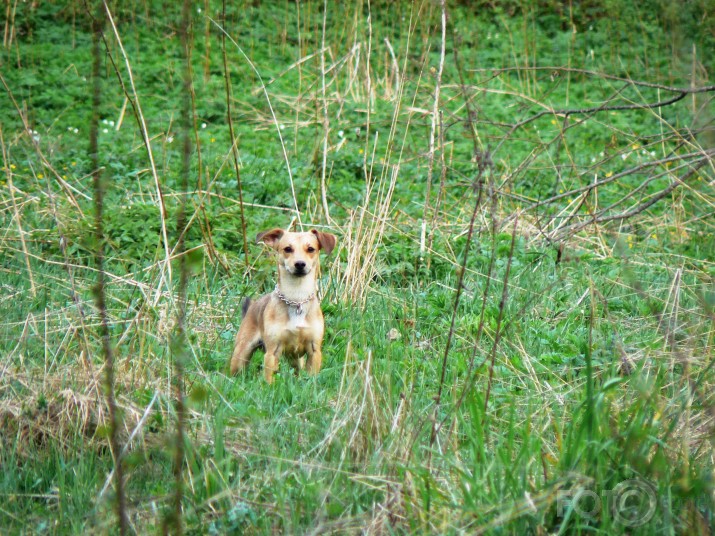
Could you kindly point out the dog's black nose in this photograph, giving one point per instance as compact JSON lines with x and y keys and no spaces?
{"x":300,"y":266}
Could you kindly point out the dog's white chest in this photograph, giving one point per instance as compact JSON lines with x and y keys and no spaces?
{"x":297,"y":318}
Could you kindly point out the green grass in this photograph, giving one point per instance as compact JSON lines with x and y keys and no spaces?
{"x":597,"y":364}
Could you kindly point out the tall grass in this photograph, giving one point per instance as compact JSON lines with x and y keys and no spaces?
{"x":519,"y":314}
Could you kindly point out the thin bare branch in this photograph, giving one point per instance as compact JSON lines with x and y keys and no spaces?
{"x":234,"y":142}
{"x":100,"y":291}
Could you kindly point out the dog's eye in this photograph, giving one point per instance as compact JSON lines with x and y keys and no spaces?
{"x":288,"y":249}
{"x":311,"y":249}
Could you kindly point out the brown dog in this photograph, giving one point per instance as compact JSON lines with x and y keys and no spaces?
{"x":288,"y":320}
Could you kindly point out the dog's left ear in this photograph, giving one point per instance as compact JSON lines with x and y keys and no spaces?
{"x":270,"y":238}
{"x":326,"y":241}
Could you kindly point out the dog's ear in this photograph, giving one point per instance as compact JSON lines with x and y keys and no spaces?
{"x":326,"y":241}
{"x":270,"y":238}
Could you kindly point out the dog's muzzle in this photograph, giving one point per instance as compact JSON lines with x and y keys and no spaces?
{"x":300,"y":269}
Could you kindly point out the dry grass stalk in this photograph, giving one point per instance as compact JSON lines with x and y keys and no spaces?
{"x":326,"y":121}
{"x":165,"y":274}
{"x":16,"y":212}
{"x":435,"y":113}
{"x":366,"y":226}
{"x":275,"y":120}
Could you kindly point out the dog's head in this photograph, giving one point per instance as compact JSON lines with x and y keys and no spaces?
{"x":298,"y":252}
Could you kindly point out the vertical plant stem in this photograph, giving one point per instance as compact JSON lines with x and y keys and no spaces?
{"x":442,"y":179}
{"x":368,"y":99}
{"x":326,"y":122}
{"x":589,"y":373}
{"x":100,"y":290}
{"x":300,"y":76}
{"x":9,"y":32}
{"x":455,"y":308}
{"x":435,"y":115}
{"x":500,"y":317}
{"x":234,"y":147}
{"x":483,"y":160}
{"x":178,"y":343}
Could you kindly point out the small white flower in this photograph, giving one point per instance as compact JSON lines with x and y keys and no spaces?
{"x":282,"y":127}
{"x":652,"y":153}
{"x":593,"y":159}
{"x":111,"y":123}
{"x":169,"y":139}
{"x":76,"y":130}
{"x":69,"y":129}
{"x":198,"y":10}
{"x":104,"y":121}
{"x":36,"y":137}
{"x":624,"y":156}
{"x":105,"y":130}
{"x":203,"y":125}
{"x":341,"y":133}
{"x":600,"y":154}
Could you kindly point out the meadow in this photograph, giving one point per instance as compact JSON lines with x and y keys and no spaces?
{"x":520,"y":311}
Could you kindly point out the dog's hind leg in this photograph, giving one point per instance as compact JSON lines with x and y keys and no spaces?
{"x":247,"y":340}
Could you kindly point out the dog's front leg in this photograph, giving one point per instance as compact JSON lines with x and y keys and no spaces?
{"x":270,"y":361}
{"x":315,"y":358}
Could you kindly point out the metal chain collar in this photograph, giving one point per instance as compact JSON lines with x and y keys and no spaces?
{"x":297,"y":304}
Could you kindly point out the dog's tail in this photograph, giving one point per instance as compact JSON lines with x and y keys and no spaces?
{"x":244,"y":307}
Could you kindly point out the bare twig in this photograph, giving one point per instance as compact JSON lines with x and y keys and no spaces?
{"x":579,"y":111}
{"x":457,"y":296}
{"x":630,"y":171}
{"x":234,"y":147}
{"x":606,"y":76}
{"x":100,"y":298}
{"x":603,"y":218}
{"x":178,"y":343}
